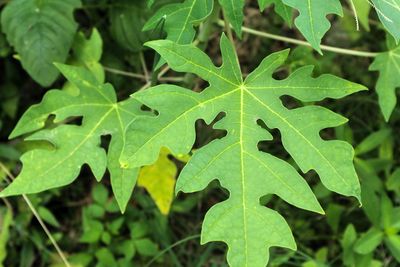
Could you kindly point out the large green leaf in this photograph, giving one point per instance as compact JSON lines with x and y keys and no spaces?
{"x":247,"y":173}
{"x":312,"y":21}
{"x":388,"y":64}
{"x":76,"y":145}
{"x":389,"y":14}
{"x":42,"y":33}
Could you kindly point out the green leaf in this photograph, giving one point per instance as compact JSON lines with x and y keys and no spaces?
{"x":312,"y":21}
{"x":282,"y":10}
{"x":389,"y":13}
{"x":369,"y":241}
{"x":363,"y":9}
{"x":372,"y":141}
{"x":87,"y":53}
{"x":127,"y":19}
{"x":105,"y":258}
{"x":146,"y":247}
{"x":48,"y":216}
{"x":248,"y":174}
{"x":100,"y":194}
{"x":233,"y":11}
{"x":42,"y":33}
{"x":393,"y":243}
{"x":6,"y":219}
{"x":76,"y":145}
{"x":180,"y":18}
{"x":347,"y":242}
{"x":388,"y":65}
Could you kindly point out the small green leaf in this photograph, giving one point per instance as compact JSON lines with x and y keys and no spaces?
{"x":100,"y":194}
{"x":42,"y":33}
{"x":347,"y":242}
{"x":48,"y":216}
{"x":393,"y":243}
{"x":105,"y":258}
{"x":127,"y":19}
{"x":146,"y":247}
{"x":373,"y":141}
{"x":312,"y":21}
{"x":180,"y":18}
{"x":369,"y":241}
{"x":281,"y":9}
{"x":388,"y":65}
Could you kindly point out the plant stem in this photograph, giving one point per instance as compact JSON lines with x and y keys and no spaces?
{"x":300,"y":42}
{"x":125,"y":73}
{"x":37,"y":216}
{"x":170,"y":247}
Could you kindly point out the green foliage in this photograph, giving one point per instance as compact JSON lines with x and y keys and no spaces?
{"x":312,"y":21}
{"x":76,"y":145}
{"x":261,"y":144}
{"x":126,"y":25}
{"x":389,"y":14}
{"x":42,"y":33}
{"x":178,"y":19}
{"x":388,"y":65}
{"x":235,"y":160}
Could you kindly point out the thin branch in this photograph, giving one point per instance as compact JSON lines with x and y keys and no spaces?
{"x":144,"y":66}
{"x":125,"y":73}
{"x":37,"y":216}
{"x":171,"y":247}
{"x":304,"y":43}
{"x":228,"y":28}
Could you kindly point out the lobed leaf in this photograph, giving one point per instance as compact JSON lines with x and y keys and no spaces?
{"x":42,"y":32}
{"x":180,"y":19}
{"x":248,"y":228}
{"x":388,"y":65}
{"x":312,"y":21}
{"x":389,"y":14}
{"x":76,"y":145}
{"x":233,"y":11}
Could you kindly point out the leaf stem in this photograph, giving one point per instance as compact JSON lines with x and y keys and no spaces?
{"x":170,"y":247}
{"x":304,"y":43}
{"x":227,"y":26}
{"x":37,"y":216}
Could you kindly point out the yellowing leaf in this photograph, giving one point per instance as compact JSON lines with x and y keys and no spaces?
{"x":159,"y":180}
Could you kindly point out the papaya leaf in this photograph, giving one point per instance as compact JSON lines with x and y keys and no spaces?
{"x":388,"y":65}
{"x":180,"y":19}
{"x":233,"y":10}
{"x":76,"y":145}
{"x":389,"y":14}
{"x":41,"y":32}
{"x":363,"y":10}
{"x":127,"y":19}
{"x":281,"y":9}
{"x":159,"y":180}
{"x":248,"y":228}
{"x":312,"y":21}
